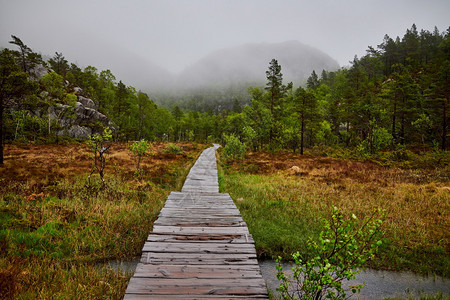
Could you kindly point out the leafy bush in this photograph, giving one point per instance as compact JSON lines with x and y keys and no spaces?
{"x":378,"y":140}
{"x":343,"y":246}
{"x":172,"y":148}
{"x":97,"y":143}
{"x":234,"y":148}
{"x":381,"y":139}
{"x":325,"y":134}
{"x":139,"y":149}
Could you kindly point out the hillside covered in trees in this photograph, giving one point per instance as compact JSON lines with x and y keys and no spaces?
{"x":394,"y":96}
{"x":397,"y":94}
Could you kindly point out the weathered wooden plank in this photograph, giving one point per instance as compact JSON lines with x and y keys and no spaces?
{"x":175,"y":195}
{"x":196,"y":214}
{"x":192,"y":247}
{"x":196,"y":205}
{"x":203,"y":238}
{"x":200,"y":218}
{"x":194,"y":281}
{"x":197,"y":271}
{"x":190,"y":297}
{"x":199,"y":203}
{"x":200,"y":230}
{"x":198,"y":222}
{"x":162,"y":286}
{"x":194,"y":188}
{"x":214,"y":211}
{"x":198,"y":258}
{"x":206,"y":211}
{"x":193,"y":205}
{"x":201,"y":198}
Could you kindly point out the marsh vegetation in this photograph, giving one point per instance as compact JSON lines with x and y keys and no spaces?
{"x":283,"y":196}
{"x":56,"y":226}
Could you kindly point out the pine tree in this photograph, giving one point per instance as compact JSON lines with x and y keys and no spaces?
{"x":59,"y":64}
{"x":313,"y":81}
{"x":274,"y":84}
{"x":277,"y":91}
{"x":24,"y":52}
{"x":306,"y":105}
{"x":13,"y":84}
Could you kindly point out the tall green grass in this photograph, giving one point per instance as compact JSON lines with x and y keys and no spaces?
{"x":278,"y":225}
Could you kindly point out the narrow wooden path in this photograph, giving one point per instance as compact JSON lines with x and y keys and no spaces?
{"x":200,"y":247}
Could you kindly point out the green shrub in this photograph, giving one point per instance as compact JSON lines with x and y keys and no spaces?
{"x":343,"y":246}
{"x":381,"y":139}
{"x":234,"y":148}
{"x":172,"y":148}
{"x":98,"y":145}
{"x":139,"y":149}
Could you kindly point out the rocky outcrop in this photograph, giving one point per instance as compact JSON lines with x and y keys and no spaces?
{"x":81,"y":120}
{"x":38,"y":70}
{"x":78,"y":121}
{"x":78,"y":132}
{"x":88,"y":103}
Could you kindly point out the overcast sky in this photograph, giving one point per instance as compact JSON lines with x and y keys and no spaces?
{"x":175,"y":33}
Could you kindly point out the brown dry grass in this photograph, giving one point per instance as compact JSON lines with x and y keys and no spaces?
{"x":55,"y":226}
{"x":37,"y":166}
{"x":416,"y":201}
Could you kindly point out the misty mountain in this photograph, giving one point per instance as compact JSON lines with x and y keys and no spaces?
{"x":145,"y":75}
{"x":232,"y":69}
{"x":248,"y":63}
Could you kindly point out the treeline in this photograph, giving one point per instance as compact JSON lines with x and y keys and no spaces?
{"x":395,"y":95}
{"x":28,"y":92}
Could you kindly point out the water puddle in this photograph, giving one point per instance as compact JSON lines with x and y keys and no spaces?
{"x":126,"y":266}
{"x":379,"y":284}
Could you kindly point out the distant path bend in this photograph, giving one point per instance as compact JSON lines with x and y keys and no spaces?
{"x":200,"y":247}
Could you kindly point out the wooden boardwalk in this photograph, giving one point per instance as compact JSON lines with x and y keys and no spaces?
{"x":200,"y":247}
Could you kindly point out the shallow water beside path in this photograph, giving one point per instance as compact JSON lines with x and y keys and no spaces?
{"x":379,"y":284}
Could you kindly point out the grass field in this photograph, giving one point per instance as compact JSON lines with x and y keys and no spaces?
{"x":284,"y":196}
{"x":56,"y":229}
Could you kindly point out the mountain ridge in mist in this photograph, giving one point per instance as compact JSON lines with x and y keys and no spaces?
{"x":248,"y":63}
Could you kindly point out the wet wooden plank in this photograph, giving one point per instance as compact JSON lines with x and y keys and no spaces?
{"x":200,"y":230}
{"x":195,"y":286}
{"x":199,"y":222}
{"x":204,"y":238}
{"x":196,"y":205}
{"x":198,"y":271}
{"x":206,"y":189}
{"x":198,"y":258}
{"x":192,"y":247}
{"x":190,"y":297}
{"x":203,"y":196}
{"x":201,"y":201}
{"x":199,"y":211}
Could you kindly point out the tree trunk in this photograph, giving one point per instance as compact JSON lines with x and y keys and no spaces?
{"x":394,"y":113}
{"x":444,"y":124}
{"x":49,"y":121}
{"x":444,"y":117}
{"x":402,"y":128}
{"x":347,"y":142}
{"x":302,"y":133}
